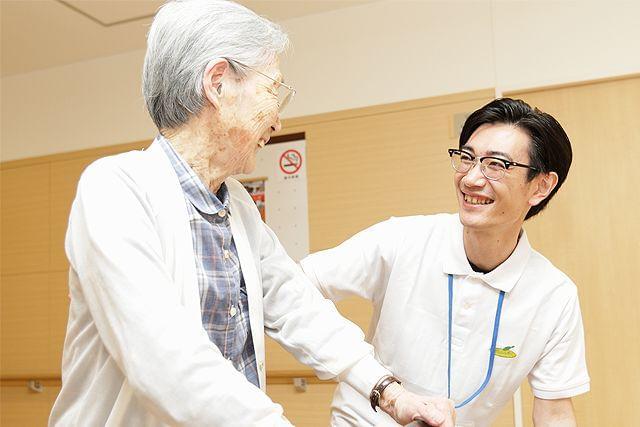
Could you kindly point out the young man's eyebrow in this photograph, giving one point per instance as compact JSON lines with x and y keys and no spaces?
{"x":500,"y":153}
{"x":467,"y":148}
{"x":489,"y":153}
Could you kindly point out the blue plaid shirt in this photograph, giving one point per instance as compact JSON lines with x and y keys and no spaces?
{"x":223,"y":294}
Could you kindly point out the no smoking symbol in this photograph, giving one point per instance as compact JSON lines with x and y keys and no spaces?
{"x":290,"y":162}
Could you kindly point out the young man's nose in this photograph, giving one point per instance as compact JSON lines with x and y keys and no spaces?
{"x":474,"y":177}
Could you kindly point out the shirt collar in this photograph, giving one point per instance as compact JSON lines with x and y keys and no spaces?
{"x":194,"y":189}
{"x":504,"y":277}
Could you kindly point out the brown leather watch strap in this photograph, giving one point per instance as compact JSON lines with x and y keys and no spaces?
{"x":376,"y":393}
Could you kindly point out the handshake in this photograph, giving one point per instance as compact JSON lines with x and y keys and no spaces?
{"x":410,"y":408}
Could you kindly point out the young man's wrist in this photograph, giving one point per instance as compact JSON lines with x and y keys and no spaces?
{"x":385,"y":393}
{"x":364,"y":375}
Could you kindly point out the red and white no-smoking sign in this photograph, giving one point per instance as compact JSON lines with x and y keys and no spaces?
{"x":290,"y":161}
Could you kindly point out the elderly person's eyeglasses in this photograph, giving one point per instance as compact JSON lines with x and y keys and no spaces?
{"x":492,"y":168}
{"x":285,"y":92}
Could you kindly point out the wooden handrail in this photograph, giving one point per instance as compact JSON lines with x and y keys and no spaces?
{"x":280,"y":377}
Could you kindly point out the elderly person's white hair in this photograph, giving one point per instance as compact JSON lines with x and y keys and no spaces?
{"x":184,"y":37}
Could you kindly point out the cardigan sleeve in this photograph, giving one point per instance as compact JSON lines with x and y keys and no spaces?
{"x":174,"y":370}
{"x":309,"y":326}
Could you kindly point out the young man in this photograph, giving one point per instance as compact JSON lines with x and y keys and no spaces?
{"x":463,"y":306}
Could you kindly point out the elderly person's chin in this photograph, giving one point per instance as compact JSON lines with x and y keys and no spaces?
{"x":248,"y":166}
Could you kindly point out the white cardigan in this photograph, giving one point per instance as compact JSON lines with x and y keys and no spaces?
{"x":136,"y":352}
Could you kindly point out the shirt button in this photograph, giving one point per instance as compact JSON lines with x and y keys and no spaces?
{"x":233,"y":311}
{"x":222,"y":213}
{"x":226,"y":254}
{"x":261,"y":366}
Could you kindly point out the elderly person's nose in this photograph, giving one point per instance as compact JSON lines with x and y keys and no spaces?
{"x":277,"y":126}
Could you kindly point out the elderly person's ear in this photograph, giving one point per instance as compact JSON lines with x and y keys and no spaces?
{"x":212,"y":79}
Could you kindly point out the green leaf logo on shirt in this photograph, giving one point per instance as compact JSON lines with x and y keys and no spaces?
{"x":506,"y":352}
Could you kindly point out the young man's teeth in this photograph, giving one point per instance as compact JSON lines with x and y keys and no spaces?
{"x":477,"y":200}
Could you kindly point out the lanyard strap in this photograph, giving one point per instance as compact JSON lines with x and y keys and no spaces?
{"x":492,"y":355}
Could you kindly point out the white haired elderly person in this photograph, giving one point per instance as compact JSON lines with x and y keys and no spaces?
{"x":174,"y":278}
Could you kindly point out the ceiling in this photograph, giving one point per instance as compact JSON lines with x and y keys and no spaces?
{"x":37,"y":34}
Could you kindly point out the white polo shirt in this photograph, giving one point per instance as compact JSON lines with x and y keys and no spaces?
{"x":402,"y":266}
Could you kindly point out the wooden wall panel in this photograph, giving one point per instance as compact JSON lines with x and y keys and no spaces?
{"x":22,"y":407}
{"x":310,"y":408}
{"x":34,"y":320}
{"x":64,"y":180}
{"x":36,"y":199}
{"x":591,"y":230}
{"x":25,"y":220}
{"x":25,"y":325}
{"x":365,"y":169}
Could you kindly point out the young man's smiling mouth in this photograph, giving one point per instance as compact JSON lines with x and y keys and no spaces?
{"x":476,"y":199}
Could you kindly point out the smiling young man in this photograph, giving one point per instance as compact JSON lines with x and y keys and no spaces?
{"x":463,"y":306}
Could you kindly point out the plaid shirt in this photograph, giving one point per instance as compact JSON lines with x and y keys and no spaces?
{"x":223,"y":294}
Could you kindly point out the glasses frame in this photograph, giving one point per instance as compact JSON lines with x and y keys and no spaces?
{"x":287,"y":98}
{"x":507,"y":163}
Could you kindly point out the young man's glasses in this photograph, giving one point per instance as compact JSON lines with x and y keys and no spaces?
{"x":492,"y":168}
{"x":285,"y":92}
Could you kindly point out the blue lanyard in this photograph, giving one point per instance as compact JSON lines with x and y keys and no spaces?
{"x":492,"y":355}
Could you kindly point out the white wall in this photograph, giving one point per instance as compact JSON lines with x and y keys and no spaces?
{"x":371,"y":54}
{"x":83,"y":105}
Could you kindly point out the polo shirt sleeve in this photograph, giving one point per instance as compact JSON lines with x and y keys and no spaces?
{"x":360,"y":266}
{"x":561,"y":371}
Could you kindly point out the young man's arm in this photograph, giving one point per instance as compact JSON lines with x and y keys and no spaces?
{"x":360,"y":266}
{"x":553,"y":413}
{"x":309,"y":326}
{"x":561,"y":372}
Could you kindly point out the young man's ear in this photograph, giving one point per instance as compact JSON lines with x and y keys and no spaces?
{"x":212,"y":79}
{"x":546,"y":182}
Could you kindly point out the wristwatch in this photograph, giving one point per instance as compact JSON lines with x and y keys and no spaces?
{"x":376,"y":393}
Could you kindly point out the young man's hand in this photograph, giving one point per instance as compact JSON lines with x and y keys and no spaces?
{"x":406,"y":407}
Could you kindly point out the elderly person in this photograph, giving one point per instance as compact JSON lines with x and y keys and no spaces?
{"x":173,"y":276}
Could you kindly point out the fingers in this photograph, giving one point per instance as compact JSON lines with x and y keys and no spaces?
{"x":449,"y":421}
{"x":428,"y":413}
{"x":452,"y":409}
{"x":448,"y":408}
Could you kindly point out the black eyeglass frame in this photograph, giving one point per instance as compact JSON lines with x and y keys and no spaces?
{"x":507,"y":163}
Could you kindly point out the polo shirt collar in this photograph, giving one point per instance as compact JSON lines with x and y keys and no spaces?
{"x":504,"y":277}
